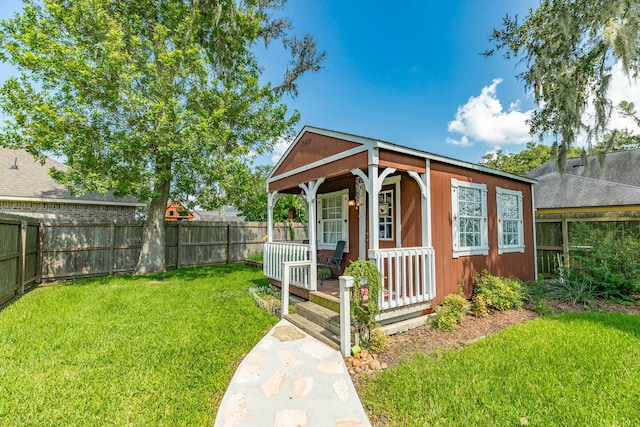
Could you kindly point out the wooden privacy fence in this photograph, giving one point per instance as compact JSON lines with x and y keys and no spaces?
{"x":82,"y":250}
{"x":19,"y":258}
{"x":32,"y":252}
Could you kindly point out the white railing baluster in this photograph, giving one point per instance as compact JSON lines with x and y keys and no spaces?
{"x":409,"y":275}
{"x":276,"y":253}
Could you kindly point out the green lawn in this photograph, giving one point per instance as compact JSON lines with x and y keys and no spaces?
{"x":144,"y":351}
{"x":567,"y":370}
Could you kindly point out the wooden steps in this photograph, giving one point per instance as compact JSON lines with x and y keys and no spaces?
{"x":319,"y":322}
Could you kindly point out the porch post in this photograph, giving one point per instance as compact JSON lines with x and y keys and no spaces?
{"x":374,"y":237}
{"x":362,"y":213}
{"x":272,"y":198}
{"x":374,"y":220}
{"x":424,"y":181}
{"x":310,"y":191}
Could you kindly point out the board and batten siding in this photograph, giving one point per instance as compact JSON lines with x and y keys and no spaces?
{"x":449,"y":270}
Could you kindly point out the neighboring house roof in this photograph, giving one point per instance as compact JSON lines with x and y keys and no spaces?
{"x":226,"y":214}
{"x":371,"y":143}
{"x":24,"y":179}
{"x":616,"y":183}
{"x":176,"y":211}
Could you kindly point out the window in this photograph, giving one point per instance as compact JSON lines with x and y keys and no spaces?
{"x":510,"y":222}
{"x":469,"y":218}
{"x":333,"y":219}
{"x":385,"y":214}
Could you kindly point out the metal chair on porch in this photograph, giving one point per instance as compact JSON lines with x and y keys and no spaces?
{"x":334,"y":261}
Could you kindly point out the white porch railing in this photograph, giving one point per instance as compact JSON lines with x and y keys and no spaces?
{"x":275,"y":253}
{"x":408,"y":275}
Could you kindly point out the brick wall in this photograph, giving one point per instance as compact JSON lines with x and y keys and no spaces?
{"x":69,"y":211}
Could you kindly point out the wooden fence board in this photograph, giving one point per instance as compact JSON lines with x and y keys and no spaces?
{"x":56,"y":251}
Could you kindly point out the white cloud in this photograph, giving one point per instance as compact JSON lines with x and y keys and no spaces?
{"x":483,"y":119}
{"x":279,"y":148}
{"x":462,"y":142}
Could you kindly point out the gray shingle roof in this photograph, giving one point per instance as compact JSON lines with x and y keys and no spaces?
{"x":590,"y":185}
{"x":31,"y":180}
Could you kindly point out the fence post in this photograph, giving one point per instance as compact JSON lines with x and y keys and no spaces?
{"x":228,"y":243}
{"x":22,"y":258}
{"x":112,"y":246}
{"x":40,"y":254}
{"x":179,"y":248}
{"x":346,"y":282}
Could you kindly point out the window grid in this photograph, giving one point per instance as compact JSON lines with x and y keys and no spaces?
{"x":385,"y":215}
{"x":510,"y":221}
{"x":470,"y":213}
{"x":332,"y":219}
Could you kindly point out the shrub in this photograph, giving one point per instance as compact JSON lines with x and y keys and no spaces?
{"x":499,"y":293}
{"x":378,"y":340}
{"x":536,"y":294}
{"x":479,"y":306}
{"x":605,"y":257}
{"x":573,"y":292}
{"x":542,"y":308}
{"x":450,"y":312}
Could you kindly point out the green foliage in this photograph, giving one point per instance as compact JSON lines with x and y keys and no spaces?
{"x":569,"y":49}
{"x":378,"y":340}
{"x":152,"y":98}
{"x":257,"y":257}
{"x":573,"y":292}
{"x":146,"y":350}
{"x":577,"y":369}
{"x":499,"y":293}
{"x":364,"y":315}
{"x":520,"y":163}
{"x":324,"y":273}
{"x":450,"y":312}
{"x":479,"y":306}
{"x":536,"y":294}
{"x":542,"y":308}
{"x":604,"y":259}
{"x":250,"y":197}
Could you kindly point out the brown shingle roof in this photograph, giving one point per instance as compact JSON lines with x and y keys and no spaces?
{"x":31,"y":180}
{"x":616,"y":183}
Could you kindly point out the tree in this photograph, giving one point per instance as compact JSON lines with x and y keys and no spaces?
{"x":569,"y":48}
{"x":518,"y":163}
{"x":535,"y":155}
{"x":150,"y":98}
{"x":251,"y":200}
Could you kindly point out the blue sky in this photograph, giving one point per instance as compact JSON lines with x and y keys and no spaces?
{"x":409,"y":73}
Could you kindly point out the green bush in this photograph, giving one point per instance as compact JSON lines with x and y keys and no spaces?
{"x":606,"y":258}
{"x":378,"y":340}
{"x":536,"y":294}
{"x":499,"y":293}
{"x":573,"y":292}
{"x":450,"y":312}
{"x":479,"y":306}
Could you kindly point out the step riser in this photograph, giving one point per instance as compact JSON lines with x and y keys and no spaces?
{"x":324,"y":301}
{"x":331,"y":324}
{"x":323,"y":335}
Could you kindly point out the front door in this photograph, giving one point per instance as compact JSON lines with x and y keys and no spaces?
{"x":387,"y":216}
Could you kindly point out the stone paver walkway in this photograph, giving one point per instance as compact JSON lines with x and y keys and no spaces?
{"x":291,"y":380}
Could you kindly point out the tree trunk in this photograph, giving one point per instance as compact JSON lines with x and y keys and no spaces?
{"x":152,"y":253}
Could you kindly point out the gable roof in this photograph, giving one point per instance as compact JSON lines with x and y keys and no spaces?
{"x":616,"y":183}
{"x":30,"y":181}
{"x":361,"y":144}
